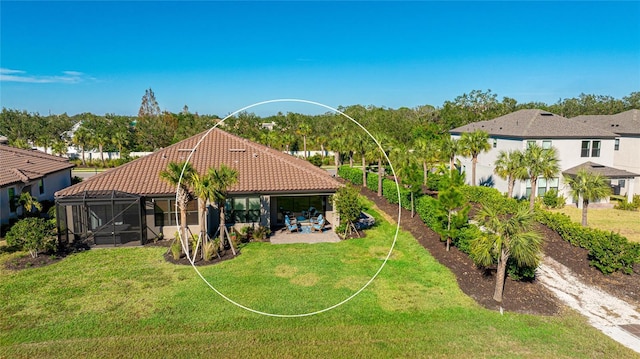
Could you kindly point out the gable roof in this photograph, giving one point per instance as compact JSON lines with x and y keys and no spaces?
{"x":603,"y":170}
{"x":21,"y":166}
{"x":534,"y":124}
{"x":261,"y":169}
{"x":624,"y":123}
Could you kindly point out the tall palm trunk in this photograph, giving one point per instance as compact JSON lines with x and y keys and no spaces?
{"x":532,"y":197}
{"x":474,"y":163}
{"x":451,"y":162}
{"x":84,"y":163}
{"x":511,"y":182}
{"x":364,"y":171}
{"x":203,"y":223}
{"x":380,"y":175}
{"x":304,"y":141}
{"x":585,"y":204}
{"x":223,"y":228}
{"x":425,"y":172}
{"x":501,"y":276}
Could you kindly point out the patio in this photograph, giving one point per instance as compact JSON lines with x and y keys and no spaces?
{"x":282,"y":236}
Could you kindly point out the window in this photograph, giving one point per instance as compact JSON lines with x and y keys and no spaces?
{"x":165,"y":212}
{"x":243,"y":209}
{"x":542,"y":186}
{"x":12,"y":199}
{"x":553,"y":183}
{"x":530,"y":143}
{"x":616,"y":146}
{"x":621,"y":183}
{"x":585,"y":149}
{"x":595,"y":151}
{"x":41,"y":186}
{"x":546,"y":144}
{"x":495,"y":142}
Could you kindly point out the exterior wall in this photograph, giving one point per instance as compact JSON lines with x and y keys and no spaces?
{"x":52,"y":182}
{"x":569,"y":155}
{"x":627,"y":158}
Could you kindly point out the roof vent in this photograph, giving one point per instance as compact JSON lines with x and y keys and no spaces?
{"x":237,"y":150}
{"x":546,"y":114}
{"x":185,"y":149}
{"x":255,"y":155}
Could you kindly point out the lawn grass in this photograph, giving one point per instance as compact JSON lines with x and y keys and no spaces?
{"x":129,"y":302}
{"x":627,"y":223}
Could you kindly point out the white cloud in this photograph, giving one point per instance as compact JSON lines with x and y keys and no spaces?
{"x":69,"y":77}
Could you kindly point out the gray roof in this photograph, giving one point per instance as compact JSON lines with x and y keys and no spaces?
{"x":608,"y":172}
{"x":624,"y":123}
{"x":535,"y":124}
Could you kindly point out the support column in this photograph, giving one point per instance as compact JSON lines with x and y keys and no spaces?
{"x":630,"y":193}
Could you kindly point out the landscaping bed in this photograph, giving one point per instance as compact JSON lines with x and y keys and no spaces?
{"x":521,"y":297}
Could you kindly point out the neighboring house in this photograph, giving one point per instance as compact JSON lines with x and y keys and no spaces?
{"x":29,"y":171}
{"x":131,"y":203}
{"x":626,"y":155}
{"x":576,"y":142}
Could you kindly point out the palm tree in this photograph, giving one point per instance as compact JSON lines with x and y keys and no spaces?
{"x":473,"y":144}
{"x":428,"y":152}
{"x":221,"y":180}
{"x":588,"y":187}
{"x":540,"y":162}
{"x":509,"y":166}
{"x":29,"y":203}
{"x":304,"y":130}
{"x":180,"y":175}
{"x":81,"y":139}
{"x":408,"y":169}
{"x":204,"y":191}
{"x":508,"y":237}
{"x":449,"y":149}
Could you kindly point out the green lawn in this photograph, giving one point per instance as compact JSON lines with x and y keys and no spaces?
{"x":627,"y":223}
{"x":129,"y":302}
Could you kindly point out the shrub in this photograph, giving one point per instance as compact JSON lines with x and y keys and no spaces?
{"x":316,"y":160}
{"x":353,"y":175}
{"x":372,"y":181}
{"x":520,"y":273}
{"x":491,"y":197}
{"x":608,"y":251}
{"x":209,"y":250}
{"x":176,"y":248}
{"x":552,"y":200}
{"x":32,"y":234}
{"x":629,"y":206}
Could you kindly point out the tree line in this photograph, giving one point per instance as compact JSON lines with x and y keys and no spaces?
{"x":411,"y":127}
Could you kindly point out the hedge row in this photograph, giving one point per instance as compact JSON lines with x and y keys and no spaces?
{"x":389,"y":191}
{"x":608,"y":251}
{"x":491,"y":197}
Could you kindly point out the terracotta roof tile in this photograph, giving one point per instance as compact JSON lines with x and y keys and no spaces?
{"x":261,"y":169}
{"x":535,"y":124}
{"x":18,"y":165}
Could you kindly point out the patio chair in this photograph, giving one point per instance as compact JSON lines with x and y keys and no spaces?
{"x":290,"y":227}
{"x":320,"y":225}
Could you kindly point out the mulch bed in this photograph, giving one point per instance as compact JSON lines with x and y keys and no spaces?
{"x":520,"y":297}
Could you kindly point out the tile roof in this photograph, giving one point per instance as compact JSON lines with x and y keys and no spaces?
{"x":18,"y":165}
{"x":261,"y":169}
{"x":608,"y":172}
{"x":535,"y":124}
{"x":624,"y":123}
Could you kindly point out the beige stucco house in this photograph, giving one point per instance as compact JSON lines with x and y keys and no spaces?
{"x":131,"y":203}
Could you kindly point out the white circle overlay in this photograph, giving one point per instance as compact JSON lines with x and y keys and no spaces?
{"x":395,"y":237}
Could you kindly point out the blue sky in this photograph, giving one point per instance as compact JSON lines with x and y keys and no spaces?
{"x":217,"y":57}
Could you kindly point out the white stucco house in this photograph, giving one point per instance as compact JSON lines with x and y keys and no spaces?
{"x":626,"y":149}
{"x":577,"y":142}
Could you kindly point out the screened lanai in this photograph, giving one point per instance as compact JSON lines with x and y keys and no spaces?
{"x":101,"y":218}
